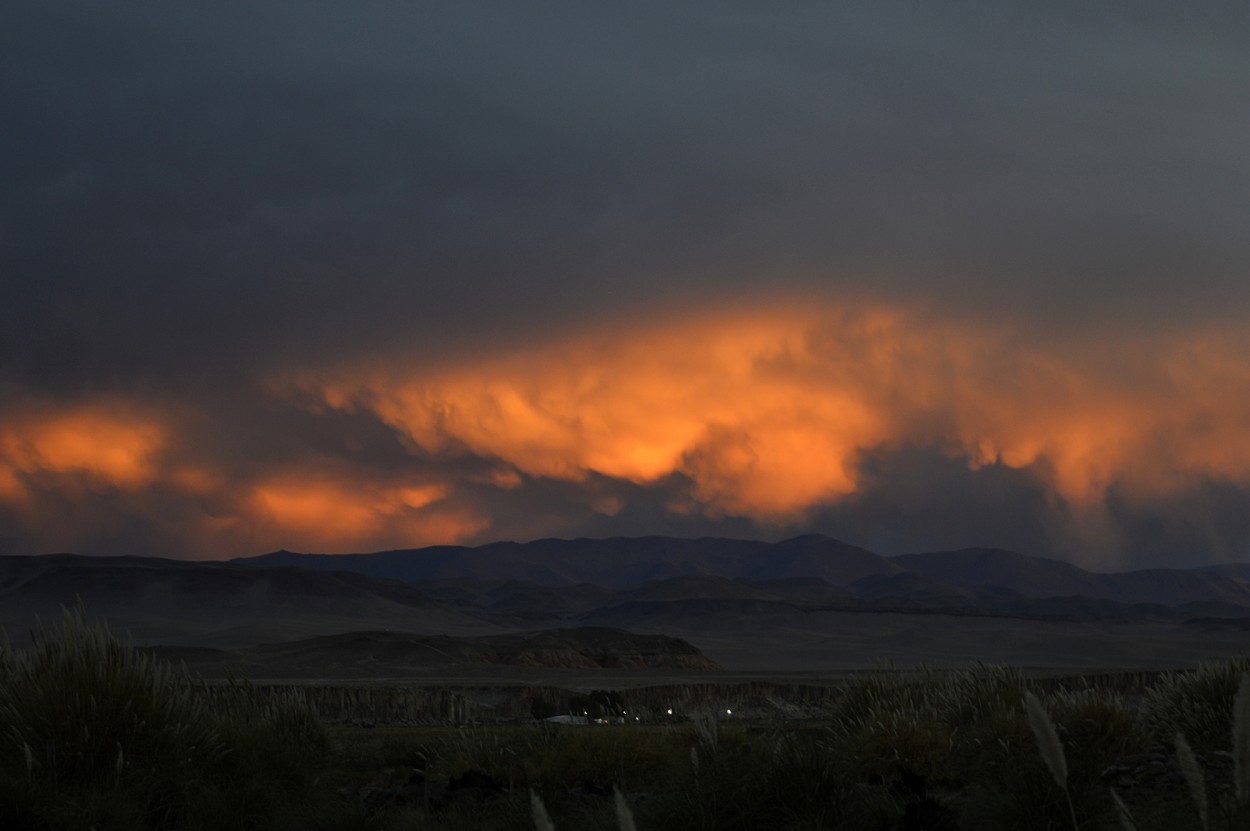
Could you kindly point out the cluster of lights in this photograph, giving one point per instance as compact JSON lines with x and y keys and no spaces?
{"x":728,"y":712}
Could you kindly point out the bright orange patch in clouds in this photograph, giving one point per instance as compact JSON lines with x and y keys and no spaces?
{"x":742,"y":406}
{"x":768,"y":412}
{"x":764,"y":413}
{"x":96,"y":446}
{"x":325,"y":513}
{"x":86,"y":450}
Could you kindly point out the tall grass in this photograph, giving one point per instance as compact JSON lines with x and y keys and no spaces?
{"x":95,"y":734}
{"x":542,"y":820}
{"x":1195,"y":781}
{"x":1200,"y":696}
{"x":1050,"y":747}
{"x":1196,"y":704}
{"x":922,"y":749}
{"x":1241,"y":741}
{"x":963,"y":738}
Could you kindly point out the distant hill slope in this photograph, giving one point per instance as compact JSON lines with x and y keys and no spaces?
{"x":546,"y":572}
{"x":372,"y":654}
{"x":1176,"y":586}
{"x":972,"y":568}
{"x":1038,"y":577}
{"x":619,"y":562}
{"x":1238,"y":570}
{"x":746,"y":599}
{"x":910,"y":585}
{"x":214,"y":603}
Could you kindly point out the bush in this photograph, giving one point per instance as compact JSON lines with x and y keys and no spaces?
{"x":1197,"y":704}
{"x":729,"y":780}
{"x":95,"y":734}
{"x":961,"y":740}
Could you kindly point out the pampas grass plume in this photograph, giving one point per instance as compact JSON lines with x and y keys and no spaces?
{"x":624,"y":816}
{"x":1190,"y":769}
{"x":542,"y":820}
{"x":1047,"y":739}
{"x":1121,"y":810}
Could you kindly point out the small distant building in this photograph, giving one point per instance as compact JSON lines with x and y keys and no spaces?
{"x":578,"y":720}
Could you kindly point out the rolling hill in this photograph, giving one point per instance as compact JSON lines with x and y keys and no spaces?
{"x":375,"y":654}
{"x":971,"y":576}
{"x":798,"y":604}
{"x":218,"y":604}
{"x":618,"y":562}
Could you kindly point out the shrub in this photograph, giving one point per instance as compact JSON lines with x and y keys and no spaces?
{"x":95,"y":734}
{"x":1196,"y":704}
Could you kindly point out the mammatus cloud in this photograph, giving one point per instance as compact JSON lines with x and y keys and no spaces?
{"x":765,"y":413}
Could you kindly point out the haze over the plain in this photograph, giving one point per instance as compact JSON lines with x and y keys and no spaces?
{"x":341,"y":277}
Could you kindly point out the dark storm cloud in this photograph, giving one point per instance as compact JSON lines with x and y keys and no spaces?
{"x":917,"y":499}
{"x":199,"y":199}
{"x":242,"y":177}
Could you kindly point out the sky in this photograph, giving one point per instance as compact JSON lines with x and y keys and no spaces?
{"x":347,"y":276}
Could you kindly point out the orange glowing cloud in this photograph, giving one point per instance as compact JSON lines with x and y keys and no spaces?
{"x":762,"y":413}
{"x":319,"y":512}
{"x":769,"y":412}
{"x":741,"y":406}
{"x":85,"y":451}
{"x":11,"y":489}
{"x":102,"y":445}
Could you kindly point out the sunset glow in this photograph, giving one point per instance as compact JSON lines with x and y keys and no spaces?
{"x":768,"y":415}
{"x":342,"y":514}
{"x":764,"y":415}
{"x":391,"y":277}
{"x":92,"y":447}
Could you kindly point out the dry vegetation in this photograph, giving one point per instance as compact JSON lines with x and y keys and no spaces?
{"x":94,"y":734}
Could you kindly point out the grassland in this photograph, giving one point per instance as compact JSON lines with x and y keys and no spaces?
{"x":96,"y":735}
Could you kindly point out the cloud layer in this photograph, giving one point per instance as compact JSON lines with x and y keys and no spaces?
{"x":340,"y":277}
{"x":770,"y":415}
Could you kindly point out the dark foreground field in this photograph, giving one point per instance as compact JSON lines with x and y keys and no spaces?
{"x":94,"y":734}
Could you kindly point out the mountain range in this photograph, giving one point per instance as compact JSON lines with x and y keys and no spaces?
{"x":810,"y":603}
{"x":962,"y":577}
{"x":617,"y":562}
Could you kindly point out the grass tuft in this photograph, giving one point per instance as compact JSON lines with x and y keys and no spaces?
{"x":1241,"y":740}
{"x":1194,"y":703}
{"x":94,"y":733}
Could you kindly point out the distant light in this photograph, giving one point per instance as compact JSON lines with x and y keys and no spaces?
{"x":670,"y":711}
{"x":729,"y":712}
